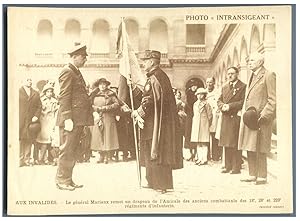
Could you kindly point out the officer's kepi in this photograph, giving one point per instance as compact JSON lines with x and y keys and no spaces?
{"x":78,"y":49}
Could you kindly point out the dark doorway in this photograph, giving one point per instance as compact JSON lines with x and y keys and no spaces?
{"x":197,"y":81}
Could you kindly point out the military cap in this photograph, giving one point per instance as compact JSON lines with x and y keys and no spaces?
{"x":250,"y":118}
{"x":151,"y":54}
{"x":78,"y":49}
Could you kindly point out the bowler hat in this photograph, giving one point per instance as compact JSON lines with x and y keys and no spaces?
{"x":33,"y":129}
{"x":201,"y":90}
{"x":78,"y":49}
{"x":151,"y":54}
{"x":250,"y":118}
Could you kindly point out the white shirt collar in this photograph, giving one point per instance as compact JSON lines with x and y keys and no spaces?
{"x":74,"y":65}
{"x":27,"y":90}
{"x":234,"y":83}
{"x":257,"y":71}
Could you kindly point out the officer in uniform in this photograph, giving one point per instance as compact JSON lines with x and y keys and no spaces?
{"x":74,"y":113}
{"x":157,"y":117}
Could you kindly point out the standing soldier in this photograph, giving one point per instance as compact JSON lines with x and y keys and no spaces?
{"x":74,"y":113}
{"x":256,"y":139}
{"x":230,"y":103}
{"x":158,"y":119}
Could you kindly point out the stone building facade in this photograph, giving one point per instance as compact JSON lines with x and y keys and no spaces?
{"x":188,"y":50}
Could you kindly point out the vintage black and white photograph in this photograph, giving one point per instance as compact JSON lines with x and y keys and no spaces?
{"x":149,"y":110}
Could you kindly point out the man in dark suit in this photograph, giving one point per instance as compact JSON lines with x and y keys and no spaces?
{"x":161,"y":149}
{"x":30,"y":107}
{"x":74,"y":113}
{"x":260,"y":94}
{"x":230,"y":103}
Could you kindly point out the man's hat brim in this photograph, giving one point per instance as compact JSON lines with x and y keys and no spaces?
{"x":250,"y":118}
{"x":79,"y":50}
{"x":34,"y":128}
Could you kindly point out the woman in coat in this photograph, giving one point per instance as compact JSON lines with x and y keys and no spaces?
{"x":202,"y":120}
{"x":190,"y":100}
{"x":47,"y":120}
{"x":181,"y":114}
{"x":104,"y":131}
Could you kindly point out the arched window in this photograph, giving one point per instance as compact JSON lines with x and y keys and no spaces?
{"x":254,"y":40}
{"x":159,"y":36}
{"x":44,"y":37}
{"x":235,"y":61}
{"x":100,"y":39}
{"x":244,"y":51}
{"x":224,"y":74}
{"x":228,"y":63}
{"x":72,"y":33}
{"x":219,"y":77}
{"x":132,"y":29}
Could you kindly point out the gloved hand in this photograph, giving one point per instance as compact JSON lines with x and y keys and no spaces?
{"x":140,"y":121}
{"x":134,"y":114}
{"x":68,"y":125}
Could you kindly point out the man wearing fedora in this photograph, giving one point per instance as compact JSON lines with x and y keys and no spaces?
{"x":161,"y":150}
{"x":74,"y":113}
{"x":255,"y":137}
{"x":230,"y":103}
{"x":30,"y":108}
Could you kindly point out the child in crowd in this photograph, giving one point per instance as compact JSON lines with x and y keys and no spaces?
{"x":202,"y":120}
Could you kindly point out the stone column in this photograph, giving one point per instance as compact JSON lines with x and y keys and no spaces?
{"x":170,"y":42}
{"x":179,"y":38}
{"x":113,"y":34}
{"x":244,"y":75}
{"x":143,"y":39}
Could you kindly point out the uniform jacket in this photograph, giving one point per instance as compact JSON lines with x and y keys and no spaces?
{"x":230,"y":125}
{"x":202,"y":120}
{"x":261,"y":94}
{"x":161,"y":126}
{"x":29,"y":106}
{"x":73,"y":98}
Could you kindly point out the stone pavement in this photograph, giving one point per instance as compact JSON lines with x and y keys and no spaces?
{"x":120,"y":179}
{"x":204,"y":185}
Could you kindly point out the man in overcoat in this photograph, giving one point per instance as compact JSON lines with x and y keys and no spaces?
{"x":230,"y":103}
{"x":161,"y":150}
{"x":214,"y":151}
{"x":30,"y":108}
{"x":260,"y":94}
{"x":74,"y":113}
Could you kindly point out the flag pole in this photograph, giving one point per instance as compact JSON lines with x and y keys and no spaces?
{"x":135,"y":136}
{"x":132,"y":107}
